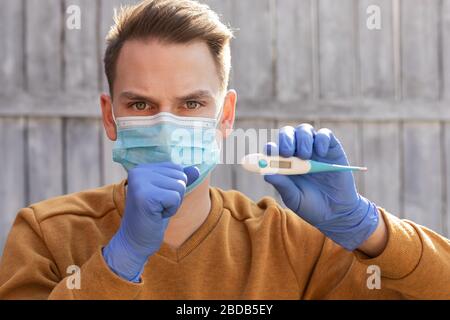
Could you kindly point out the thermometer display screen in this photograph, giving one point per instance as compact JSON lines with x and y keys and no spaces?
{"x":281,"y":164}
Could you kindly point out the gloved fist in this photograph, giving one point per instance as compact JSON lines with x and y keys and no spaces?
{"x":328,"y":201}
{"x":155,"y":192}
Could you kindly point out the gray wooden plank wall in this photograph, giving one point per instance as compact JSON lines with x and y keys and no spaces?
{"x":385,"y":93}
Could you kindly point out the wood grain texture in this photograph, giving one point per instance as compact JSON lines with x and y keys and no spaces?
{"x":381,"y":155}
{"x":81,"y":49}
{"x":422,"y":174}
{"x":11,"y":46}
{"x":45,"y":159}
{"x":44,"y":30}
{"x":337,"y":48}
{"x":83,"y":148}
{"x":294,"y":68}
{"x":445,"y":29}
{"x":420,"y":56}
{"x":376,"y":52}
{"x":12,"y":173}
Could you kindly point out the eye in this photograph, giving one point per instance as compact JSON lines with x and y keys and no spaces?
{"x":193,"y":105}
{"x":139,"y":106}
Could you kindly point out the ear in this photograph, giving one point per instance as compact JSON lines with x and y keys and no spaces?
{"x":108,"y":121}
{"x":229,"y":113}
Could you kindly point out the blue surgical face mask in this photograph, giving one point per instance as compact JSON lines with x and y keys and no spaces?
{"x":188,"y":141}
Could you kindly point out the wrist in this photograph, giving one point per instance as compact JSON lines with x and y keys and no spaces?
{"x":122,"y":259}
{"x":377,"y":242}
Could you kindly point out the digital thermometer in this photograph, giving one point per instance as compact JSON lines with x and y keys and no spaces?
{"x":263,"y":164}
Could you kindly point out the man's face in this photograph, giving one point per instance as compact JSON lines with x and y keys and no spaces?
{"x":152,"y":77}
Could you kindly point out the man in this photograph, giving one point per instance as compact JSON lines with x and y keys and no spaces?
{"x":165,"y":234}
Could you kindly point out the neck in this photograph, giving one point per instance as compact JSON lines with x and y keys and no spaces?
{"x":190,"y":216}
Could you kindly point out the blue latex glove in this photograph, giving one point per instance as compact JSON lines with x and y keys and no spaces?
{"x":155,"y":192}
{"x":328,"y":201}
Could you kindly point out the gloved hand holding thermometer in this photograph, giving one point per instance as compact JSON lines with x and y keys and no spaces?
{"x":155,"y":192}
{"x":327,"y":200}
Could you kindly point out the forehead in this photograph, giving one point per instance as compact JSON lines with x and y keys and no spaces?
{"x":154,"y":65}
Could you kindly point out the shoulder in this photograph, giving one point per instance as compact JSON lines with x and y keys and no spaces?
{"x":93,"y":203}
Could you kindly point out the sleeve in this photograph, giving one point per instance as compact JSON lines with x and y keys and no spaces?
{"x":415,"y":262}
{"x":414,"y":265}
{"x":28,"y":270}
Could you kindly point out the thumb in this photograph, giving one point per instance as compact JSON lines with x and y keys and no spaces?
{"x":288,"y":190}
{"x":192,"y":173}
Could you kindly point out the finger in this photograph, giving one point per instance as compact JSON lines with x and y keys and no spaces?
{"x":334,"y":141}
{"x":166,"y":201}
{"x":286,"y":141}
{"x":192,"y":173}
{"x":271,"y":149}
{"x":169,"y":184}
{"x":322,"y":142}
{"x":289,"y":192}
{"x":304,"y":140}
{"x":170,"y":201}
{"x":169,"y":173}
{"x":336,"y":150}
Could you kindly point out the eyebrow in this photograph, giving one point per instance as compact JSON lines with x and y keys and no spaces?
{"x":199,"y":94}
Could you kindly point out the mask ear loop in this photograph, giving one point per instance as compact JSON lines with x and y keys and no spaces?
{"x":113,"y":116}
{"x":218,"y":118}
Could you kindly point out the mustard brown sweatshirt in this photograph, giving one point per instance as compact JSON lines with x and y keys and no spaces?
{"x":243,"y":250}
